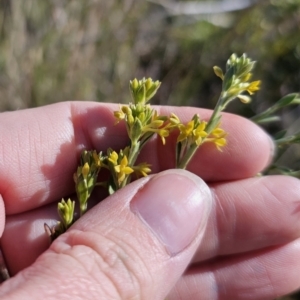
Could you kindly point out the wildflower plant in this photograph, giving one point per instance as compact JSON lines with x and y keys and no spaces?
{"x":283,"y":140}
{"x":142,"y":122}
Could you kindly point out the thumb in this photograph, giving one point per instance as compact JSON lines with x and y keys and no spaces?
{"x":133,"y":245}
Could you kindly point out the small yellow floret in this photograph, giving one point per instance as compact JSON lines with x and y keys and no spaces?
{"x":119,"y":115}
{"x":253,"y":87}
{"x":200,"y":133}
{"x":218,"y":132}
{"x":142,"y":169}
{"x":123,"y":169}
{"x":218,"y":137}
{"x":113,"y":158}
{"x":163,"y":133}
{"x":185,"y":130}
{"x":220,"y":142}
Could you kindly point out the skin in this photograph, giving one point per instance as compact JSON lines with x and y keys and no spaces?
{"x":244,"y":244}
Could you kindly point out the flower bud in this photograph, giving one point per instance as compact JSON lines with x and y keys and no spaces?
{"x":244,"y":98}
{"x":218,"y":71}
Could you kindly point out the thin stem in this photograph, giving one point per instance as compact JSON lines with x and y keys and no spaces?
{"x":187,"y":157}
{"x":133,"y":154}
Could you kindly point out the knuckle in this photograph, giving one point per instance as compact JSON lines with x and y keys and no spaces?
{"x":113,"y":265}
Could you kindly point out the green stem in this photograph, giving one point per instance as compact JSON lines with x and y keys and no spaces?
{"x":187,"y":157}
{"x":223,"y":100}
{"x":133,"y":154}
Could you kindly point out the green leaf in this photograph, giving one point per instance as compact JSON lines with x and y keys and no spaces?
{"x":279,"y":134}
{"x":289,"y":99}
{"x":136,"y":130}
{"x":228,"y":78}
{"x":266,"y":119}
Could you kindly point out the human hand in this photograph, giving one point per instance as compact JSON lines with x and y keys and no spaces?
{"x":240,"y":240}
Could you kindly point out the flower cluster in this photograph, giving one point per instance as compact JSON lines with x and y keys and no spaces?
{"x":236,"y":79}
{"x":66,"y":212}
{"x":86,"y":177}
{"x":142,"y":122}
{"x":120,"y":165}
{"x":140,"y":119}
{"x":192,"y":135}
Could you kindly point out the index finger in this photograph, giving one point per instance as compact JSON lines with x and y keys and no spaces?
{"x":40,"y":148}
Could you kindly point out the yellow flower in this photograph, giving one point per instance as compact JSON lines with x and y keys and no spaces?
{"x":155,"y":123}
{"x":200,"y":133}
{"x":253,"y":87}
{"x":185,"y":131}
{"x":123,"y":169}
{"x":217,"y":136}
{"x":113,"y":158}
{"x":220,"y":142}
{"x":218,"y":132}
{"x":142,"y":169}
{"x":194,"y":130}
{"x":157,"y":126}
{"x":163,"y":133}
{"x":119,"y":115}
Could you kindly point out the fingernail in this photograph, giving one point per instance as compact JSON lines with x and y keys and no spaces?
{"x":273,"y":150}
{"x":272,"y":146}
{"x":175,"y":205}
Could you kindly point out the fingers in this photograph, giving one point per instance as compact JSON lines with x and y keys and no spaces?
{"x":135,"y":244}
{"x":247,"y":215}
{"x":41,"y":146}
{"x":25,"y":239}
{"x":264,"y":275}
{"x":252,"y":214}
{"x":38,"y":153}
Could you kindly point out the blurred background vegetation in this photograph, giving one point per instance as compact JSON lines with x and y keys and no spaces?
{"x":60,"y":50}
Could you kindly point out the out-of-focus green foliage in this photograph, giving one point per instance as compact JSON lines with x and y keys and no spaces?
{"x":59,"y":50}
